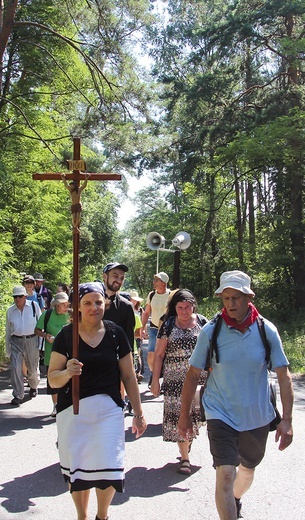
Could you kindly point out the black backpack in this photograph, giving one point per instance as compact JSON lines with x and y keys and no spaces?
{"x":213,"y":348}
{"x":213,"y":341}
{"x":47,"y":316}
{"x":170,"y":322}
{"x":45,"y":323}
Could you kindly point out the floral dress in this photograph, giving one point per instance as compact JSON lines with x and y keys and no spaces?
{"x":180,"y":346}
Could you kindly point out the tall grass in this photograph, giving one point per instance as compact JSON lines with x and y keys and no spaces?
{"x":294,"y":346}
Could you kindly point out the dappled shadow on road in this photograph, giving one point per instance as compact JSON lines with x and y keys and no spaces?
{"x":21,"y":491}
{"x":23,"y":421}
{"x":299,"y":390}
{"x":146,"y":396}
{"x":153,"y":430}
{"x":145,"y":483}
{"x":13,"y":418}
{"x":5,"y":375}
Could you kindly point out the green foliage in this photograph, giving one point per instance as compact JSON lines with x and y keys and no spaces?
{"x":68,"y":69}
{"x":219,"y":124}
{"x":228,"y":150}
{"x":293,"y":337}
{"x":99,"y":234}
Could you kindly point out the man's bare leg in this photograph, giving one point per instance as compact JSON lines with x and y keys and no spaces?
{"x":224,"y":496}
{"x":243,"y":481}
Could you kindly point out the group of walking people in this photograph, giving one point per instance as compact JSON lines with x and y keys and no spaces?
{"x":32,"y":323}
{"x":236,"y":397}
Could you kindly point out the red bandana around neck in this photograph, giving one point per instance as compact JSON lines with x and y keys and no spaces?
{"x":249,"y":319}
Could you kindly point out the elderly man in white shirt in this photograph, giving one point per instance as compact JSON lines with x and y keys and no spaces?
{"x":22,"y":343}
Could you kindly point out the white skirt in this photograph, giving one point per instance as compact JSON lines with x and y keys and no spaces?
{"x":92,"y":444}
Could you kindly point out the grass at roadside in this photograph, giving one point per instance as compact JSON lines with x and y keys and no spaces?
{"x":294,"y":345}
{"x":292,"y":334}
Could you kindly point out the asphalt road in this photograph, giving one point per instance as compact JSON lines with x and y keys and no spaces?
{"x":31,"y":485}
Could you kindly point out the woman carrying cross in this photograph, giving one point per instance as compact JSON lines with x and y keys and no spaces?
{"x":91,"y":443}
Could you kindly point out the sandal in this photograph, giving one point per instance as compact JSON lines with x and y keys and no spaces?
{"x":184,"y":467}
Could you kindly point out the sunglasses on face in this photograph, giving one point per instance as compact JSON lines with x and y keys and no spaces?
{"x":19,"y":296}
{"x":29,"y":282}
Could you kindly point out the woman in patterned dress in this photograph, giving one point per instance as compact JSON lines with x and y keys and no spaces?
{"x":176,"y":341}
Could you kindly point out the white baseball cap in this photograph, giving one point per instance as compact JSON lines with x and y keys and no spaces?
{"x":163,"y":276}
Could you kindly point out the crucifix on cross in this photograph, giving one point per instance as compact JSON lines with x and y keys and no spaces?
{"x":72,"y":183}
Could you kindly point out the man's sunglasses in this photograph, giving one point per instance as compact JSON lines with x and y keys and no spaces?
{"x":19,"y":296}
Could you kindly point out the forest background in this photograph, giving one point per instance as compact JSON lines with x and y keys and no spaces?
{"x":205,"y":98}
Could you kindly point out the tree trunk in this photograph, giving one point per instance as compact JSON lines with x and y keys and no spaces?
{"x":6,"y":26}
{"x":250,"y":198}
{"x":239,"y":224}
{"x":297,"y":237}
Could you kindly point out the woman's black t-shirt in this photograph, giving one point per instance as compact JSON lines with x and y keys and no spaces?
{"x":100,"y":371}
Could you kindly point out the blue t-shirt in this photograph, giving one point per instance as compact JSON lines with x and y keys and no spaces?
{"x":34,"y":298}
{"x":237,"y":389}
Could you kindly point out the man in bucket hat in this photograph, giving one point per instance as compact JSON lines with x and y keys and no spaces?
{"x":43,"y":293}
{"x":22,"y":343}
{"x":237,"y":395}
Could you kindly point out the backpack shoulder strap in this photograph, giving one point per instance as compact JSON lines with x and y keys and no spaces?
{"x":151,"y":295}
{"x":202,"y":320}
{"x":266,"y":343}
{"x":47,"y":316}
{"x":169,"y":324}
{"x":213,"y":342}
{"x":34,"y":310}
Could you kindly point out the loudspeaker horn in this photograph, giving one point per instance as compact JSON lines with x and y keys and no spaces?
{"x":154,"y":240}
{"x":182,"y":240}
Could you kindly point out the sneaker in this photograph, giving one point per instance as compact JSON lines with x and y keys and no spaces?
{"x":16,"y":401}
{"x":33,"y":392}
{"x":238,"y":507}
{"x":54,"y":411}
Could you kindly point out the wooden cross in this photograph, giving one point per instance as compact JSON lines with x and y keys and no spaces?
{"x":75,"y":193}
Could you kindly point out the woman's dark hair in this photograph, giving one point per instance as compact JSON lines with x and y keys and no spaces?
{"x":64,"y":287}
{"x":180,"y":295}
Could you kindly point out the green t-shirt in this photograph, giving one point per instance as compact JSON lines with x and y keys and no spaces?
{"x":54,"y":325}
